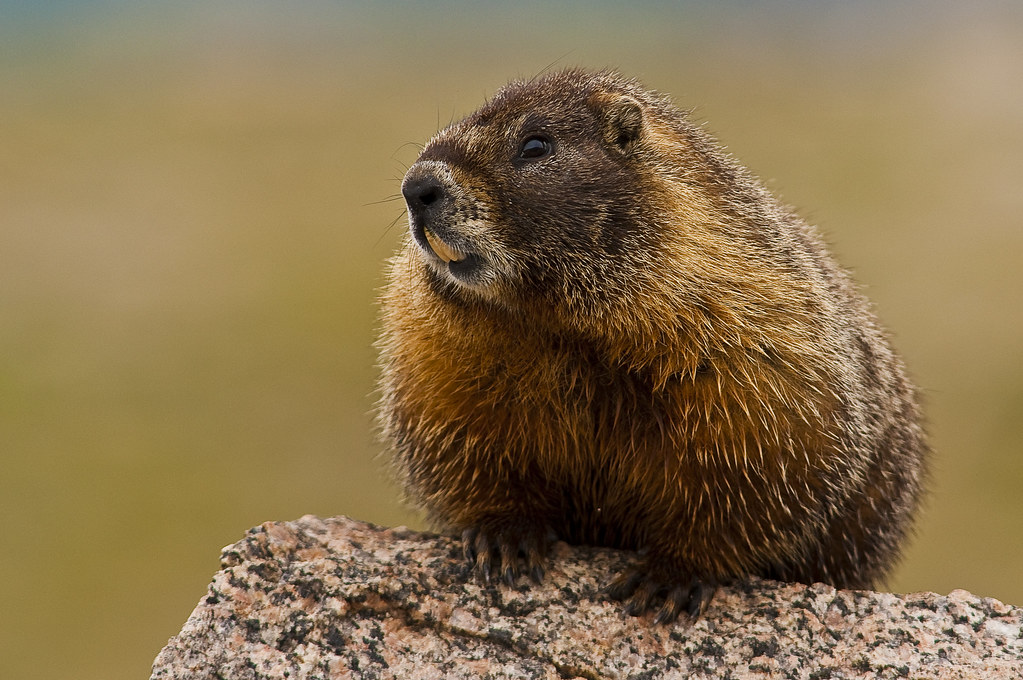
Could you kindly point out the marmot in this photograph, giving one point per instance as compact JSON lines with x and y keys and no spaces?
{"x":602,"y":329}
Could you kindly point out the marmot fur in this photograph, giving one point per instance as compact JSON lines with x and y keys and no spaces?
{"x":604,"y":330}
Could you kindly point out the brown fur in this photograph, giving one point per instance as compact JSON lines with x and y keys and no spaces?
{"x":637,"y":346}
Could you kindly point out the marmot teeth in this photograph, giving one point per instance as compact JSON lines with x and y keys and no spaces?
{"x":441,"y":249}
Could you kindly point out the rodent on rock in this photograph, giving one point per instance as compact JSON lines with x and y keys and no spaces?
{"x":604,"y":330}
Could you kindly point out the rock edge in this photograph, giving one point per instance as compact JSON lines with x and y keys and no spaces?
{"x":340,"y":598}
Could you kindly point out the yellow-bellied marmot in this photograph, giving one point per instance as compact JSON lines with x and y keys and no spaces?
{"x":605,"y":330}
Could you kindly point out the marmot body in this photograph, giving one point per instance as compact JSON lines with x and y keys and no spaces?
{"x":604,"y":330}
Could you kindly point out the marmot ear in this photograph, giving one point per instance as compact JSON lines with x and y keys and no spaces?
{"x":622,"y":121}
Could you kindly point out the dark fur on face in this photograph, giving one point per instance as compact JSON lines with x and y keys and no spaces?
{"x":605,"y":330}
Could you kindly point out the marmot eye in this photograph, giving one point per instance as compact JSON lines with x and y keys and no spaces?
{"x":535,"y":146}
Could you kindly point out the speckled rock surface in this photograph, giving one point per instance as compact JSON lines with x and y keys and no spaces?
{"x":338,"y":598}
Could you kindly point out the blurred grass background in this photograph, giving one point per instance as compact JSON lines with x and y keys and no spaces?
{"x":192,"y":234}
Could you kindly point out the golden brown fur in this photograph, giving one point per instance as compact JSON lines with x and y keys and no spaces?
{"x":604,"y":330}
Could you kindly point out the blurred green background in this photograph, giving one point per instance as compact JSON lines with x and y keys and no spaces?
{"x":194,"y":222}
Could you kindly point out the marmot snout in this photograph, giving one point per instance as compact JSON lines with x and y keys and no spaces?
{"x":441,"y":227}
{"x":604,"y":330}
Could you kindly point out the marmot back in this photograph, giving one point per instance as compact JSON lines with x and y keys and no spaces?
{"x":604,"y":330}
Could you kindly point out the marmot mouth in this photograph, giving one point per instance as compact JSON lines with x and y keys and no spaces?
{"x":442,"y":249}
{"x":459,"y":264}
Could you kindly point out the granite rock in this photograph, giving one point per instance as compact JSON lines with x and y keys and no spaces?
{"x":339,"y":598}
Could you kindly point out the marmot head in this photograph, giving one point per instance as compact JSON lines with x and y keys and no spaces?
{"x":595,"y":204}
{"x":546,"y":192}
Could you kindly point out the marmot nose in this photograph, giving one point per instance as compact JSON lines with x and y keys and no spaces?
{"x":423,"y":192}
